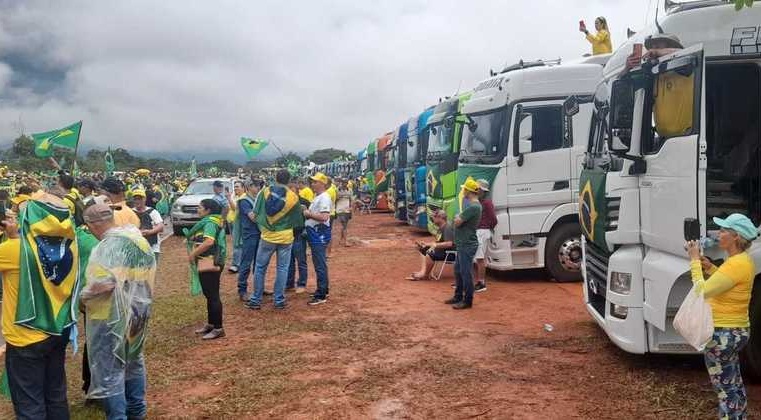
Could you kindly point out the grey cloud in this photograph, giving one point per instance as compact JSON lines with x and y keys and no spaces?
{"x":187,"y":75}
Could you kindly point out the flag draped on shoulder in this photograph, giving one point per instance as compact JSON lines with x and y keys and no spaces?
{"x":252,"y":147}
{"x":49,"y":277}
{"x":66,"y":138}
{"x":277,"y":210}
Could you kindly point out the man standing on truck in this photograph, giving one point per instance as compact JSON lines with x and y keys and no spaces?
{"x":466,"y":242}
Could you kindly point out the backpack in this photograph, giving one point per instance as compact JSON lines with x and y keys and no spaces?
{"x":147,"y":223}
{"x":79,"y":208}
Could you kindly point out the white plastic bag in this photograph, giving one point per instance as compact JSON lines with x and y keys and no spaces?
{"x":694,"y":320}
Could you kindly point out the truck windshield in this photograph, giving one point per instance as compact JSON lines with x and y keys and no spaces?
{"x":441,"y":142}
{"x":200,"y":188}
{"x":485,"y":139}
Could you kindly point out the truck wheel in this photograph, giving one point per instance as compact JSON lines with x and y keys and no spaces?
{"x":177,"y":230}
{"x":751,"y":355}
{"x":562,"y":255}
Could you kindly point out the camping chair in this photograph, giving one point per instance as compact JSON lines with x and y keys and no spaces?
{"x":449,"y":258}
{"x":365,"y":201}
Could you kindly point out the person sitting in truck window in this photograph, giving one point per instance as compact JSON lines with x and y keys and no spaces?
{"x":600,"y":41}
{"x":435,"y":251}
{"x":728,"y":291}
{"x":660,"y":45}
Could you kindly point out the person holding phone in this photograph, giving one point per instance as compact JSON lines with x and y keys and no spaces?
{"x":601,"y":43}
{"x":727,"y":291}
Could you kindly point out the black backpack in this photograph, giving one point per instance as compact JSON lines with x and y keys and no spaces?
{"x":79,"y":208}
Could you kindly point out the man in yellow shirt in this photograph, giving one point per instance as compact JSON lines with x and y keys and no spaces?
{"x":34,"y":360}
{"x":123,"y":214}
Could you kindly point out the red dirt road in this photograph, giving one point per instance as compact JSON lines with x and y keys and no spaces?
{"x":384,"y":347}
{"x":387,"y":348}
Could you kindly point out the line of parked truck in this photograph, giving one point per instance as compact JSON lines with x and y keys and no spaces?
{"x":595,"y":163}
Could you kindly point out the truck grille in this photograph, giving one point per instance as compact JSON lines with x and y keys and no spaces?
{"x":597,"y":276}
{"x":190,"y":209}
{"x":614,"y":205}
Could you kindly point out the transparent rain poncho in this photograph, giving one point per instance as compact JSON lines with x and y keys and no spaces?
{"x":117,"y":298}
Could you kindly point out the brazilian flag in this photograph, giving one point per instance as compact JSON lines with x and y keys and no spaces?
{"x":49,"y":277}
{"x":252,"y":147}
{"x":66,"y":138}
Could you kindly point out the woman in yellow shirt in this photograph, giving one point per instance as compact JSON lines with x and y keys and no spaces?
{"x":600,"y":41}
{"x":728,"y":291}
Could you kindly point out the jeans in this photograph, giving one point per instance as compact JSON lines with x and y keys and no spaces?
{"x":37,"y":379}
{"x":210,"y":287}
{"x":263,"y":256}
{"x":320,"y":262}
{"x":130,"y":403}
{"x":247,"y":258}
{"x":298,"y":257}
{"x":463,"y":272}
{"x":722,"y":358}
{"x":237,"y":255}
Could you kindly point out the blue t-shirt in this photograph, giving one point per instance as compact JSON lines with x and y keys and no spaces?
{"x":248,"y":227}
{"x":221,"y":199}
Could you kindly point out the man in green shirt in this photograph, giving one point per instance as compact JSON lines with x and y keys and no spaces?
{"x":466,"y":242}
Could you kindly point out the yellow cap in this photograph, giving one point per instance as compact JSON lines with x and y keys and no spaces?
{"x":470,"y":185}
{"x":138,"y":193}
{"x":319,"y":177}
{"x":17,"y":200}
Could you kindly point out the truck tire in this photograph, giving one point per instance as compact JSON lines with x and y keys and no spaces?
{"x":751,"y":355}
{"x":562,"y":253}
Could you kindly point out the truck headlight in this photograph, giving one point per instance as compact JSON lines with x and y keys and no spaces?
{"x":620,"y":283}
{"x":618,"y":311}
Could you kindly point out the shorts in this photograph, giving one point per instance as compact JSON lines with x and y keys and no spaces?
{"x":484,"y":235}
{"x":332,"y":221}
{"x":344,"y":218}
{"x":435,"y":254}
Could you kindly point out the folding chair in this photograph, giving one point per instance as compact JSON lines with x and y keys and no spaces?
{"x":447,"y":261}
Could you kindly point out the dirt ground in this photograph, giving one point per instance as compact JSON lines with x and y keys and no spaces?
{"x":387,"y":348}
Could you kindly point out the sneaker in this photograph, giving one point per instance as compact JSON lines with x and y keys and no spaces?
{"x":452,"y":301}
{"x":317,"y":301}
{"x":462,"y":305}
{"x":300,"y":290}
{"x":205,"y":329}
{"x":480,"y":287}
{"x":281,"y":307}
{"x":311,"y":295}
{"x":214,"y":334}
{"x":252,"y":306}
{"x":233,"y":269}
{"x":289,"y":289}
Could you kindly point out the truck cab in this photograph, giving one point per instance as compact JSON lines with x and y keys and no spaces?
{"x":397,"y":198}
{"x":519,"y":139}
{"x":415,"y":172}
{"x":445,"y":125}
{"x":673,"y":138}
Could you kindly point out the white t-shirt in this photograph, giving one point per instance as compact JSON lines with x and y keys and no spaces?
{"x":156,"y":220}
{"x":321,"y":204}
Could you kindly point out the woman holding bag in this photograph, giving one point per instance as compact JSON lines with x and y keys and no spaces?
{"x":727,"y":291}
{"x":208,"y":255}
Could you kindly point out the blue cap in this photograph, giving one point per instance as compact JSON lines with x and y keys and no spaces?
{"x":740,"y":224}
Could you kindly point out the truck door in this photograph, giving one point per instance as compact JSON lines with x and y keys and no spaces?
{"x":673,"y":175}
{"x":538,"y":173}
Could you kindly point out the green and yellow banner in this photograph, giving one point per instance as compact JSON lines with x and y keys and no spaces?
{"x":66,"y":138}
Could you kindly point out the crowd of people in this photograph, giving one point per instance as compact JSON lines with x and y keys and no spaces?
{"x":98,"y":240}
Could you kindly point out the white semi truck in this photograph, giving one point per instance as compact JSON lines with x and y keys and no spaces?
{"x":522,"y":142}
{"x":673,"y":138}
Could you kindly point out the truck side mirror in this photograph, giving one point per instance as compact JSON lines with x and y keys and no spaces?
{"x":621,"y":116}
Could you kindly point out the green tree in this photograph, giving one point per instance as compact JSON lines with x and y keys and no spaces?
{"x":739,"y":4}
{"x":282,"y":161}
{"x":326,"y":155}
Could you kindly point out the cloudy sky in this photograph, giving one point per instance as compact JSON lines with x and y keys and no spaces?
{"x":174,"y":76}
